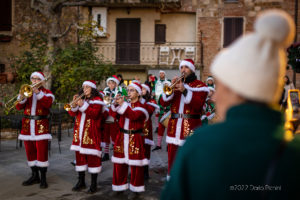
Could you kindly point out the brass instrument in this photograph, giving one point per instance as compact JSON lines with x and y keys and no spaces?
{"x":108,"y":100}
{"x":68,"y":106}
{"x":168,"y":90}
{"x":26,"y":91}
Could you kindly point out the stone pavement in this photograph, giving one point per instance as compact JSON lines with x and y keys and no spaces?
{"x":61,"y":175}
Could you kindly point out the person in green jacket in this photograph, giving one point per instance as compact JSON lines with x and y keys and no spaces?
{"x":246,"y":156}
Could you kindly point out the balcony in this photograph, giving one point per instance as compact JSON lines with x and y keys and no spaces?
{"x":148,"y":53}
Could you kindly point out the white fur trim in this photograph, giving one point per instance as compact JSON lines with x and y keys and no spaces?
{"x":90,"y":152}
{"x":150,"y":142}
{"x":84,"y":107}
{"x":143,"y":110}
{"x":188,"y":64}
{"x":40,"y":95}
{"x":138,"y":89}
{"x":200,"y":89}
{"x":209,"y":78}
{"x":130,"y":162}
{"x":126,"y":142}
{"x":120,"y":187}
{"x":188,"y":97}
{"x":172,"y":140}
{"x":165,"y":116}
{"x":50,"y":95}
{"x":94,"y":170}
{"x":35,"y":137}
{"x":113,"y":79}
{"x":162,"y":71}
{"x":212,"y":89}
{"x":38,"y":75}
{"x":203,"y":117}
{"x":153,"y":105}
{"x":142,"y":100}
{"x":23,"y":101}
{"x":137,"y":188}
{"x":42,"y":164}
{"x":31,"y":163}
{"x":89,"y":83}
{"x":211,"y":116}
{"x":97,"y":102}
{"x":75,"y":109}
{"x":33,"y":112}
{"x":113,"y":108}
{"x":146,"y":87}
{"x":75,"y":148}
{"x":80,"y":168}
{"x":122,"y":109}
{"x":165,"y":98}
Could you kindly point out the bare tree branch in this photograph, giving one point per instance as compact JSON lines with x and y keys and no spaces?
{"x":57,"y":36}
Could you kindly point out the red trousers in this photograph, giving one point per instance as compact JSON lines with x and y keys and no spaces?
{"x":90,"y":162}
{"x":37,"y":153}
{"x":111,"y":130}
{"x":120,"y":178}
{"x":161,"y":129}
{"x":172,"y":150}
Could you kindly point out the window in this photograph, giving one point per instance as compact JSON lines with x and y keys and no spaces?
{"x":233,"y":28}
{"x":100,"y":17}
{"x":160,"y":33}
{"x":5,"y":15}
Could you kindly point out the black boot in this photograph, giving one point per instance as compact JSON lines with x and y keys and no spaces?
{"x":44,"y":183}
{"x":35,"y":178}
{"x":146,"y":172}
{"x":105,"y":157}
{"x":156,"y":148}
{"x":93,"y":187}
{"x":81,"y":182}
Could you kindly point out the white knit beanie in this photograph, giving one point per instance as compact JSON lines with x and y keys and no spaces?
{"x":254,"y":65}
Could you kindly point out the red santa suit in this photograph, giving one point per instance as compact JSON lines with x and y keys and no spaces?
{"x":35,"y":126}
{"x":86,"y":139}
{"x":185,"y":111}
{"x":129,"y":148}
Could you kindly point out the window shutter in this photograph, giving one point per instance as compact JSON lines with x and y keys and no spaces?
{"x":5,"y":15}
{"x":160,"y":33}
{"x":233,"y":28}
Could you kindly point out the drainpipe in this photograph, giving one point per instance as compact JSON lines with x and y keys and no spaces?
{"x":201,"y":53}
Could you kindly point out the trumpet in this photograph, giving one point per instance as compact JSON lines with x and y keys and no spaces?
{"x":68,"y":106}
{"x":168,"y":90}
{"x":108,"y":100}
{"x":26,"y":91}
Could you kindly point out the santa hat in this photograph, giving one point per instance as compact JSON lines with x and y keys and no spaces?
{"x":210,"y":78}
{"x":136,"y":86}
{"x":38,"y":74}
{"x":161,"y":71}
{"x":113,"y":78}
{"x":135,"y":81}
{"x":189,"y":63}
{"x":147,"y":87}
{"x":254,"y":65}
{"x":101,"y":93}
{"x":90,"y":83}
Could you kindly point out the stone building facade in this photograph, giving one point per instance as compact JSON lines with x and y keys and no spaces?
{"x":169,"y":30}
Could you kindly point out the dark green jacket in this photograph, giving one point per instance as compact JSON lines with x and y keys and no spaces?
{"x":230,"y":160}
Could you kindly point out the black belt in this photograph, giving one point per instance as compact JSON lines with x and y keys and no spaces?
{"x":36,"y":117}
{"x":131,"y":131}
{"x":185,"y":116}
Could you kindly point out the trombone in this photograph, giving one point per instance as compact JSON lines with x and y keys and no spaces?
{"x":168,"y":90}
{"x":26,"y":91}
{"x":68,"y":106}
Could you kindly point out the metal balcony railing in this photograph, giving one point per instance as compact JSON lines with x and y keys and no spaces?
{"x":149,"y":53}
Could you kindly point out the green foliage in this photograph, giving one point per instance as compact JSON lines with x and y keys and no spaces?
{"x":33,"y":59}
{"x":75,"y":64}
{"x":294,"y":57}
